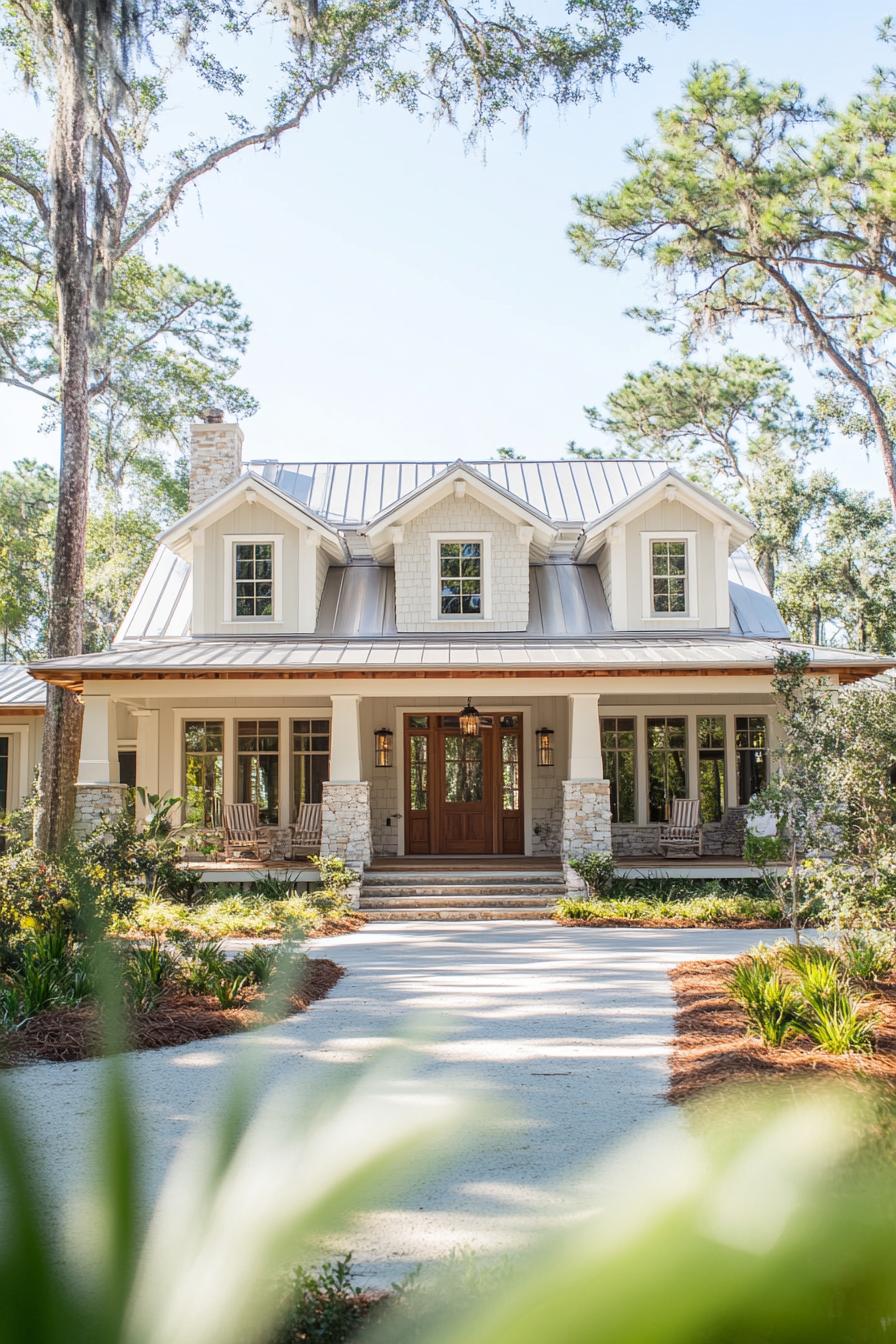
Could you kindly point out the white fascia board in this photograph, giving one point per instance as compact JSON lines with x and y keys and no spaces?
{"x":694,"y":496}
{"x":180,"y":536}
{"x":472,"y":483}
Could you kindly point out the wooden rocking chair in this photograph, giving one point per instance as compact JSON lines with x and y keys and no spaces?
{"x":306,"y":829}
{"x":682,"y":833}
{"x":243,"y":835}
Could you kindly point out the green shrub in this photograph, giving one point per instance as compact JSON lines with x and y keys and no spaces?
{"x":763,"y":849}
{"x":841,"y":1023}
{"x":325,"y":1306}
{"x":229,"y":988}
{"x":868,"y":954}
{"x":773,"y":1006}
{"x":35,"y":893}
{"x":710,"y":911}
{"x":257,"y":963}
{"x":596,"y":870}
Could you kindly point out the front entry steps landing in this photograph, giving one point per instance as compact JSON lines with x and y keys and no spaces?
{"x":456,"y":890}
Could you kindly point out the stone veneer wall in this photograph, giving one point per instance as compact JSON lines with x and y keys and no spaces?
{"x":345,"y":818}
{"x":216,"y":453}
{"x":725,"y":837}
{"x":383,"y":806}
{"x":586,"y":823}
{"x":92,"y":803}
{"x":547,"y":809}
{"x":414,"y":568}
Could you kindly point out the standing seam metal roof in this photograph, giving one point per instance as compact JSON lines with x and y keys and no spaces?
{"x":570,"y":492}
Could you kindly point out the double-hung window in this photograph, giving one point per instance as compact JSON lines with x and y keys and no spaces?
{"x":258,"y":766}
{"x":253,"y":579}
{"x":751,"y":746}
{"x":711,"y":762}
{"x":669,"y":577}
{"x":617,"y":740}
{"x":203,"y":771}
{"x":310,"y":760}
{"x":461,"y":578}
{"x":667,"y":765}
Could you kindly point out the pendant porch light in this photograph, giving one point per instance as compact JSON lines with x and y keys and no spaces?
{"x":468,"y":719}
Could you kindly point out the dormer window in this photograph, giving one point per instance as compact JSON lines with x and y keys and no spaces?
{"x":461,"y":577}
{"x":254,"y":578}
{"x":669,"y":577}
{"x":668,"y":569}
{"x":253,"y":566}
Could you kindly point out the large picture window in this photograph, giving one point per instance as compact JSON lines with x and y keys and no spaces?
{"x":751,"y":746}
{"x":258,"y":766}
{"x":253,"y":579}
{"x":617,"y":739}
{"x":310,"y":760}
{"x":203,"y":771}
{"x":667,"y":765}
{"x":669,"y":578}
{"x":711,"y":758}
{"x":460,"y":578}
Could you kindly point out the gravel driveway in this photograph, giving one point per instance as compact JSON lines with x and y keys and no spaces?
{"x":569,"y":1028}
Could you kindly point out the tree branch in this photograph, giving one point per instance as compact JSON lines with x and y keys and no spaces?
{"x":31,"y":189}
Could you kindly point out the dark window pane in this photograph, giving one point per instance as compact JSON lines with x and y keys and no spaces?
{"x":666,"y":765}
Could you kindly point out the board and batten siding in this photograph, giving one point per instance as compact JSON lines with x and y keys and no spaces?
{"x":671,"y":516}
{"x":302,"y":567}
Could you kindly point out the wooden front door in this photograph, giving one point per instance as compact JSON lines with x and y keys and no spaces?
{"x":463,"y":795}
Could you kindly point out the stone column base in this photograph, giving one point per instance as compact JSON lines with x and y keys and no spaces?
{"x":345,"y":827}
{"x":585,"y":826}
{"x":92,"y":803}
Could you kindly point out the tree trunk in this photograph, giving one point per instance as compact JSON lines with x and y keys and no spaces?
{"x":71,"y":245}
{"x":767,"y":570}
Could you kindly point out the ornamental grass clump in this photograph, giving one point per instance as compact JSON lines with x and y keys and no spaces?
{"x":773,"y":1006}
{"x":788,"y":992}
{"x":868,"y":954}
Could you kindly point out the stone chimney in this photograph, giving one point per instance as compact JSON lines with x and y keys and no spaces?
{"x":215,"y":455}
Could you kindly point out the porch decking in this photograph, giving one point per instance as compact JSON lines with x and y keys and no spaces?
{"x":708,"y":868}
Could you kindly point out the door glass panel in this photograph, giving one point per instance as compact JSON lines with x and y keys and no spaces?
{"x":463,"y":770}
{"x":510,"y":772}
{"x":418,"y":757}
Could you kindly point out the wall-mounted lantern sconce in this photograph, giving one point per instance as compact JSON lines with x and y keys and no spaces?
{"x":469,"y":719}
{"x":382,"y":743}
{"x":544,"y":746}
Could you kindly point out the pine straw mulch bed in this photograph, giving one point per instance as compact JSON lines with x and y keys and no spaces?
{"x":678,"y":922}
{"x":713,"y":1047}
{"x":62,"y":1035}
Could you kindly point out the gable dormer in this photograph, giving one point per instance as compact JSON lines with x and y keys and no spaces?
{"x":461,"y":547}
{"x":258,"y":560}
{"x":663,"y":556}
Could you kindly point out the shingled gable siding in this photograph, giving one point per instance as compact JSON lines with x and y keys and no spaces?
{"x":414,"y":568}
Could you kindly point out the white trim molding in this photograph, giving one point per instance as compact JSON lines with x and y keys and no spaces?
{"x":485,"y":541}
{"x":692,"y":615}
{"x":230,"y":541}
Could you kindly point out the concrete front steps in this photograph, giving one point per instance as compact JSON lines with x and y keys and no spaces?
{"x":460,"y":892}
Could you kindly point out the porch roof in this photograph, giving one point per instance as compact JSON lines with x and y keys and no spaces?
{"x":19,"y":691}
{"x":434,"y":655}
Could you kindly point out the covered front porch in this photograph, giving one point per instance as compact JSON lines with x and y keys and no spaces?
{"x":553,"y":768}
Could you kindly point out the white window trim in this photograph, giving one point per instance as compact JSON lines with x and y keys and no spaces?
{"x":692,"y":615}
{"x":231,"y":541}
{"x":485,"y":541}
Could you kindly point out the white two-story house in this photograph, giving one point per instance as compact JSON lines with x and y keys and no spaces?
{"x":314,"y":632}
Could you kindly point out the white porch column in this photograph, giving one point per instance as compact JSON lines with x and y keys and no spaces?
{"x":586,"y":794}
{"x":585,"y":759}
{"x":345,"y":819}
{"x":345,"y":739}
{"x":147,"y":753}
{"x":99,"y":792}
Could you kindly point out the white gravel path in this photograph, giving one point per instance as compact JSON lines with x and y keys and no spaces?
{"x":568,"y":1028}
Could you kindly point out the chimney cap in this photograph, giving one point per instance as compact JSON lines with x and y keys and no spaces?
{"x":212,"y":415}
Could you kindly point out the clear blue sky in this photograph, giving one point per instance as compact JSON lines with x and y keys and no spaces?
{"x":410,"y":298}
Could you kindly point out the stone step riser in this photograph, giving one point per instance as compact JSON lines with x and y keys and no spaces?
{"x":459,"y":879}
{"x":384,"y":916}
{"x":472,"y":903}
{"x":433,"y":889}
